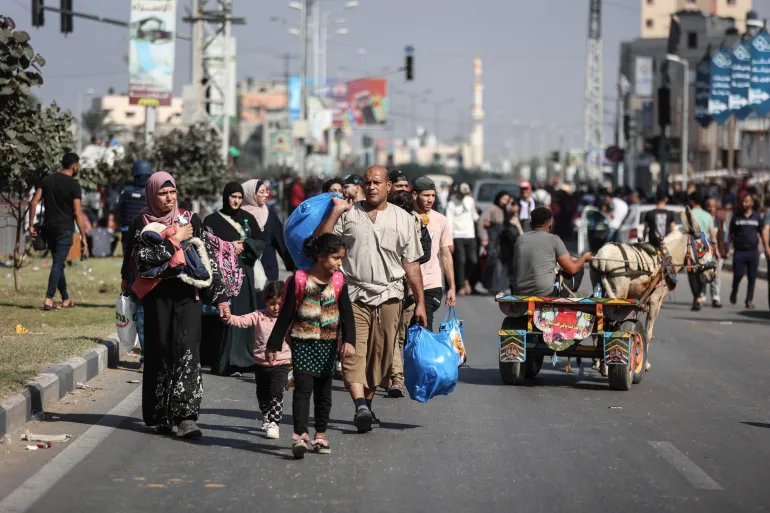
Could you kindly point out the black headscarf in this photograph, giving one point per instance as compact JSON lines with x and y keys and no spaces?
{"x":236,"y":214}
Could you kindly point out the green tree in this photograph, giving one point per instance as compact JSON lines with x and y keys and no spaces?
{"x":32,"y":140}
{"x":192,"y":157}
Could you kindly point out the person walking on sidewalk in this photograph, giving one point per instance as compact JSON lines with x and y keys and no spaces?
{"x":424,"y":197}
{"x":745,"y":229}
{"x":61,"y":195}
{"x":384,"y":247}
{"x":316,"y":311}
{"x":766,"y":238}
{"x":462,"y":215}
{"x":271,"y":378}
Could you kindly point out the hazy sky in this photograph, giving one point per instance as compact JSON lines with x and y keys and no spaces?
{"x":533,"y":54}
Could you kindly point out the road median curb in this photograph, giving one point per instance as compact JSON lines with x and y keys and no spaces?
{"x":53,"y":383}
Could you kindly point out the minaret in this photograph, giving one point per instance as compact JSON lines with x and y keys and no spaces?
{"x":477,"y":130}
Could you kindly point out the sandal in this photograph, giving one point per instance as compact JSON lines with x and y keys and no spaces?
{"x":50,"y":308}
{"x":71,"y":304}
{"x":321,"y":446}
{"x":300,"y":446}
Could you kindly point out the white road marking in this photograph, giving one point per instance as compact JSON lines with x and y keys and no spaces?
{"x":26,"y":495}
{"x":692,"y":472}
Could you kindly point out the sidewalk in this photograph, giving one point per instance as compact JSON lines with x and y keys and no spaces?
{"x":55,"y":382}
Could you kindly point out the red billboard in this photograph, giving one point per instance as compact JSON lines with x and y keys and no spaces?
{"x":362,"y":102}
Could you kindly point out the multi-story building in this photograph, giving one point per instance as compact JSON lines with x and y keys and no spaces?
{"x":656,"y":14}
{"x":127,"y":120}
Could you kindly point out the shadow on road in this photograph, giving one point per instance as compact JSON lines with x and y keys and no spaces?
{"x":756,"y":314}
{"x":583,"y":378}
{"x":757,"y":424}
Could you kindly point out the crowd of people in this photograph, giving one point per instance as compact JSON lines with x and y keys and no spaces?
{"x":386,"y":257}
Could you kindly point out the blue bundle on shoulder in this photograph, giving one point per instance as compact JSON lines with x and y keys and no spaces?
{"x":430,"y":364}
{"x":302,"y":223}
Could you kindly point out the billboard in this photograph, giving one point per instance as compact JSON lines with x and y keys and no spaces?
{"x":643,"y":77}
{"x":152,"y":36}
{"x":361,"y":102}
{"x":280,"y":143}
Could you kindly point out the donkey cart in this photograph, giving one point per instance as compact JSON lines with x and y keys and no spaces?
{"x":603,"y":329}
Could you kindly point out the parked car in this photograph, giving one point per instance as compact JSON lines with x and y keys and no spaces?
{"x":633,"y":225}
{"x":592,"y":231}
{"x":484,"y":191}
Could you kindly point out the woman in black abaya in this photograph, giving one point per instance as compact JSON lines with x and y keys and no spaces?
{"x":227,"y":349}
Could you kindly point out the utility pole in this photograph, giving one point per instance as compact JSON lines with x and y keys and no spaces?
{"x":594,"y":100}
{"x":301,"y":150}
{"x":213,"y":63}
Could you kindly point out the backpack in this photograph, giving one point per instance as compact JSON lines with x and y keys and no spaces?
{"x":300,"y":285}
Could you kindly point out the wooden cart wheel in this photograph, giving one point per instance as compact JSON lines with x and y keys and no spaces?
{"x":639,"y":350}
{"x":512,"y":373}
{"x":621,"y":377}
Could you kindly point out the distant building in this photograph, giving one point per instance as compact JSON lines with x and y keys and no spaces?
{"x":263,"y":115}
{"x":128,"y":120}
{"x":708,"y":147}
{"x":656,"y":14}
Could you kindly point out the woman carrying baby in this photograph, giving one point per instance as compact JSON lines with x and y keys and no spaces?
{"x":177,"y":274}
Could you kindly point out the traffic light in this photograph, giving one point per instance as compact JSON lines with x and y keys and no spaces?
{"x":555,"y":156}
{"x":38,"y":18}
{"x":66,"y":18}
{"x":410,"y":67}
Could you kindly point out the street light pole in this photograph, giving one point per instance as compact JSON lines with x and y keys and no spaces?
{"x":79,"y":142}
{"x":685,"y":115}
{"x":306,"y":5}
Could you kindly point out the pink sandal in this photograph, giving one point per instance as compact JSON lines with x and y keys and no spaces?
{"x":321,"y":446}
{"x":300,"y":446}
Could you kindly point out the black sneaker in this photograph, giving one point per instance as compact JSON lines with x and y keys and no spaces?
{"x":734,"y":297}
{"x":396,"y":390}
{"x":375,"y":420}
{"x":363,"y":420}
{"x":189,"y":429}
{"x":696,"y":307}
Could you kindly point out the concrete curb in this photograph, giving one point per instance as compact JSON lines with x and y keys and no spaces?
{"x":55,"y":382}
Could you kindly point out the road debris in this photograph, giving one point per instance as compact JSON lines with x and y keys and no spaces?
{"x":31,"y":437}
{"x":133,"y":381}
{"x":81,"y":386}
{"x":21,"y":329}
{"x":615,"y":407}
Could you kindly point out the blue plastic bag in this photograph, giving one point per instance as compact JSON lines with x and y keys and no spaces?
{"x":430,"y":364}
{"x":302,"y":223}
{"x":455,"y":330}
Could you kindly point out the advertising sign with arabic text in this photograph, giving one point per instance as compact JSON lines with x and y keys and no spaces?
{"x":151,"y":52}
{"x":759,"y":90}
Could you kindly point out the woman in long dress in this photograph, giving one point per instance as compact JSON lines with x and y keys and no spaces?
{"x":227,"y":349}
{"x":171,"y":253}
{"x":255,"y":196}
{"x":491,"y":225}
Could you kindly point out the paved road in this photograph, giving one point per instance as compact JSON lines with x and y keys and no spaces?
{"x":693,"y":436}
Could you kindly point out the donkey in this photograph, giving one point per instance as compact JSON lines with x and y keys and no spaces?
{"x":627,"y":272}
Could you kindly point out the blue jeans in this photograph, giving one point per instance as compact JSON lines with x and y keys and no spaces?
{"x":59,"y":244}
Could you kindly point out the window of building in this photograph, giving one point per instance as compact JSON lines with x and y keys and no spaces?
{"x":692,"y":40}
{"x":730,"y":2}
{"x":130,"y":114}
{"x":691,"y":1}
{"x":650,"y":2}
{"x":649,"y":23}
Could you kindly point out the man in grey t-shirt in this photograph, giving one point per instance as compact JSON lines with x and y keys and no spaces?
{"x":536,"y":254}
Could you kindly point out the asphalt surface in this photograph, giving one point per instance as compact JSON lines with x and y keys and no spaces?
{"x":693,"y":436}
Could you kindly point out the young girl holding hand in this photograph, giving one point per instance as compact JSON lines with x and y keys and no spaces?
{"x":313,"y":323}
{"x":271,"y":377}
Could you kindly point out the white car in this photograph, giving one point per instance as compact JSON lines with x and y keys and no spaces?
{"x":630,"y":231}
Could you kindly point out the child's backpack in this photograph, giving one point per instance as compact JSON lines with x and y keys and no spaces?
{"x":300,"y":285}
